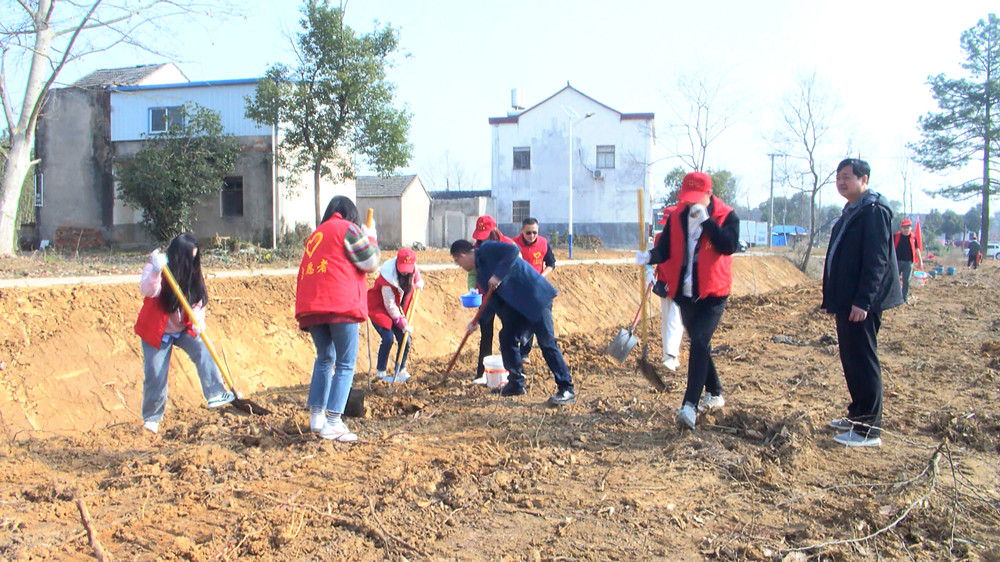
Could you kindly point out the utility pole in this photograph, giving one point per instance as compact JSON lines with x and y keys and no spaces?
{"x":770,"y":221}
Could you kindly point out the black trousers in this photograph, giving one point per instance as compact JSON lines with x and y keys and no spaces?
{"x":515,"y":325}
{"x":858,"y":342}
{"x":485,"y":340}
{"x":701,"y":318}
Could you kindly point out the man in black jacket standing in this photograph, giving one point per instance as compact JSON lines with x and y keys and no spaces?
{"x":860,"y":280}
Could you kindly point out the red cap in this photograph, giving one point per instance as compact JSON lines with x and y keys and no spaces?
{"x":694,"y":187}
{"x":484,"y":226}
{"x":906,"y":222}
{"x":406,"y":260}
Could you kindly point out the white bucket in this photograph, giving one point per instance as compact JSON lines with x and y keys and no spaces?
{"x":493,"y":369}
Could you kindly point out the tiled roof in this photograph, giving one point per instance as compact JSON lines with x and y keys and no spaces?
{"x":117,"y":76}
{"x":459,"y":194}
{"x":376,"y":186}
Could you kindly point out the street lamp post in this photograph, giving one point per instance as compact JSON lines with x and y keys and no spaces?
{"x":572,"y":115}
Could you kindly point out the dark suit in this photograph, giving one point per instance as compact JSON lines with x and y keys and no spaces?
{"x":523,"y":301}
{"x":861,"y":270}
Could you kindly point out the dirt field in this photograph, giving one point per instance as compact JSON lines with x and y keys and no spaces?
{"x":447,"y":471}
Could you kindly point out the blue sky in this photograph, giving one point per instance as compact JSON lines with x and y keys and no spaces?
{"x":465,"y":56}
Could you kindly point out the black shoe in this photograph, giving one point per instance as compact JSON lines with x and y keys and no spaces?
{"x":563,"y":397}
{"x":513,"y":390}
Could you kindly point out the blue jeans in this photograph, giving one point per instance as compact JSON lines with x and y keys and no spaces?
{"x":156,"y":365}
{"x":335,"y":344}
{"x":515,"y":325}
{"x":386,"y":346}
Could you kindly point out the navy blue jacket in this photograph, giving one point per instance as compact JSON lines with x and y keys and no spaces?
{"x":521,"y":287}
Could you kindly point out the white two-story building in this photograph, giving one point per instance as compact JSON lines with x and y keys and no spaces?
{"x":106,"y":117}
{"x":570,"y":158}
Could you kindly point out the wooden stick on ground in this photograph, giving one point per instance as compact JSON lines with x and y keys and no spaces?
{"x":95,"y":543}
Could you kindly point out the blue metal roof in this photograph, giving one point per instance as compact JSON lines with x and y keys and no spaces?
{"x":788,"y":229}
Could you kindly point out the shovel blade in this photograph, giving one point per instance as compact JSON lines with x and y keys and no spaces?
{"x":621,"y":345}
{"x":355,"y":404}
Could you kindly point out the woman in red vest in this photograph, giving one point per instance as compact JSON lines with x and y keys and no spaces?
{"x":162,"y":324}
{"x":696,"y":248}
{"x":387,"y":302}
{"x":330,"y":303}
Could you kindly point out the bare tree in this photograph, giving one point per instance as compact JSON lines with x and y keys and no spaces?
{"x":806,"y":124}
{"x":447,"y":174}
{"x":44,"y":36}
{"x":704,"y":114}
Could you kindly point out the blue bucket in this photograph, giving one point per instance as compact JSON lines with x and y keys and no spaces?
{"x":951,"y":271}
{"x":472,"y":300}
{"x":939,"y":270}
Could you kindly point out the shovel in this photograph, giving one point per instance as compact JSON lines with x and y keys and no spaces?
{"x":406,"y":335}
{"x":621,"y":345}
{"x":240,"y":403}
{"x":475,"y":320}
{"x":355,"y":407}
{"x":646,"y":368}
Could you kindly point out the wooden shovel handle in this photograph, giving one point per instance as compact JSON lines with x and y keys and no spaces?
{"x":190,"y":314}
{"x":409,"y":317}
{"x":475,"y":319}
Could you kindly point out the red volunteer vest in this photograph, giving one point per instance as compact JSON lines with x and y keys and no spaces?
{"x":913,"y":245}
{"x":328,"y":282}
{"x":714,"y":270}
{"x":376,"y":306}
{"x":535,"y":253}
{"x":152,"y":321}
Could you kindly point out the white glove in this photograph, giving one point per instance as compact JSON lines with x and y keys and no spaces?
{"x":158,"y":259}
{"x":650,"y":274}
{"x":698,"y":213}
{"x":642,"y":258}
{"x":408,"y":329}
{"x":370,"y":232}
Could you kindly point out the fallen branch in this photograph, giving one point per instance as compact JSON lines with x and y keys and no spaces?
{"x":95,"y":543}
{"x":932,"y":468}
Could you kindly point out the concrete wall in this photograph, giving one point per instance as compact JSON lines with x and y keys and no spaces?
{"x":75,"y":162}
{"x":252,"y":165}
{"x":415,"y":218}
{"x":387,"y":218}
{"x":545,"y":129}
{"x":452,"y":219}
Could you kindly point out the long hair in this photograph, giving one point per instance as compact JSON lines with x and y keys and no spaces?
{"x":344,"y":206}
{"x":405,"y":281}
{"x":186,"y":269}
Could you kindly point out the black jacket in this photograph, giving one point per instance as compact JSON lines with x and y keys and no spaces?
{"x":523,"y":288}
{"x":862,"y":271}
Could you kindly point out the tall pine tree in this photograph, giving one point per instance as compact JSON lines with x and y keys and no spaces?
{"x":965,"y":129}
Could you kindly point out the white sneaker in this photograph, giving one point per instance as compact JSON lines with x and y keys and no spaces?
{"x":317,"y":420}
{"x":671,"y":363}
{"x":711,"y":402}
{"x":843,"y":424}
{"x":338,"y":431}
{"x":480,"y":380}
{"x":686,"y":416}
{"x":151,"y":426}
{"x":852,"y":439}
{"x":380,"y":375}
{"x":403,"y":376}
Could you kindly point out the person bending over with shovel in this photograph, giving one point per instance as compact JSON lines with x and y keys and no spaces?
{"x":696,"y":248}
{"x":330,"y":304}
{"x":522,"y":299}
{"x":388,"y":300}
{"x":162,"y":324}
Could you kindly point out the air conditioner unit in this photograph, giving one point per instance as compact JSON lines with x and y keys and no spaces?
{"x":598,"y":174}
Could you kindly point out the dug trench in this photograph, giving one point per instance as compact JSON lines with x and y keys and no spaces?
{"x":447,"y":470}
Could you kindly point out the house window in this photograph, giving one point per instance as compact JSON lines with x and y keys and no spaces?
{"x":522,"y":158}
{"x":163,"y":119}
{"x":519,"y":211}
{"x":232,"y":197}
{"x":605,"y":156}
{"x":39,"y":189}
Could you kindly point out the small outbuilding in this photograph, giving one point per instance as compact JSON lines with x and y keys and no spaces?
{"x":401,"y":206}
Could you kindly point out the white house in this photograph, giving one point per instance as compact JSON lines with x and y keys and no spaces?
{"x":401,"y":206}
{"x":536,"y":165}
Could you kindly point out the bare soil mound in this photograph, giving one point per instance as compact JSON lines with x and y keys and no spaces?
{"x":448,"y":471}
